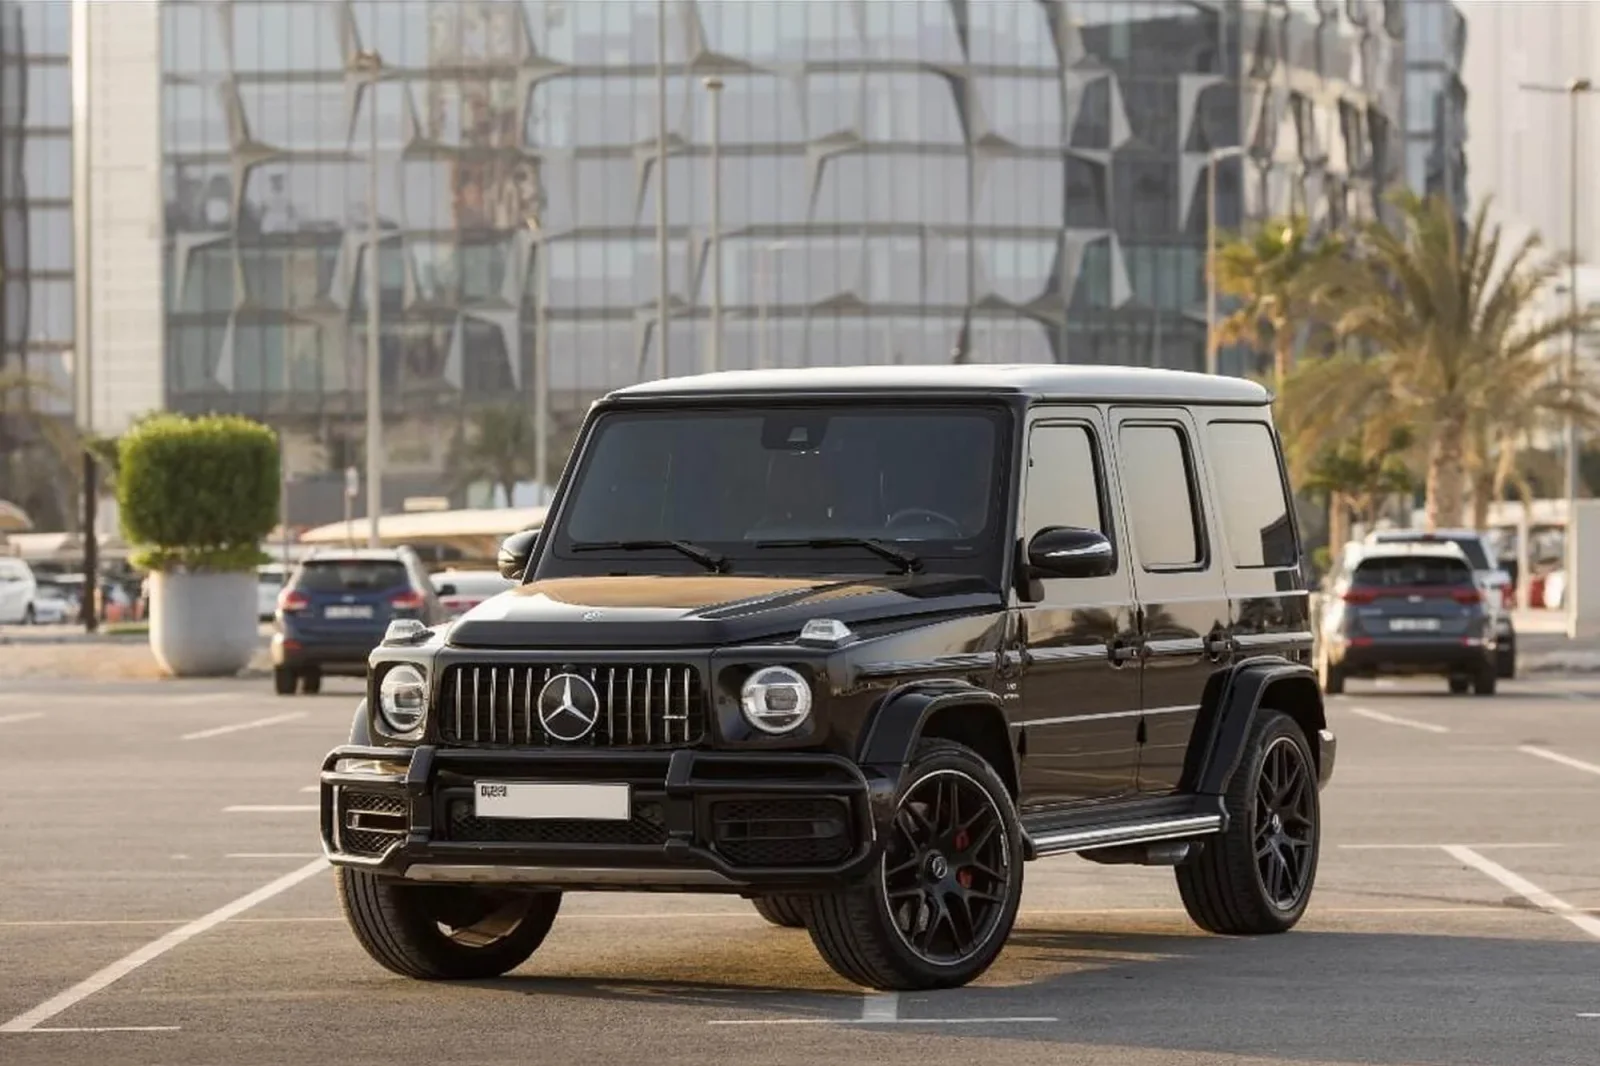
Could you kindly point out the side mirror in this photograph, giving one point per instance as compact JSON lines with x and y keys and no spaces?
{"x":445,"y":590}
{"x":514,"y":553}
{"x":1066,"y":551}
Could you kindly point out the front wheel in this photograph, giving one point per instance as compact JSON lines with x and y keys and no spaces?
{"x":938,"y":908}
{"x":1256,"y":876}
{"x":787,"y":912}
{"x":444,"y":932}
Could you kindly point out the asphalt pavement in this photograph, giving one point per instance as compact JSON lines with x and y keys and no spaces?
{"x":163,"y":900}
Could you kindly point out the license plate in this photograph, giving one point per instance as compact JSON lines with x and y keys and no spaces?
{"x":1413,"y":625}
{"x":541,"y":800}
{"x":348,"y":610}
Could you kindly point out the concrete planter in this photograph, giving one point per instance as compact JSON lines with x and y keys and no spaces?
{"x":203,"y":625}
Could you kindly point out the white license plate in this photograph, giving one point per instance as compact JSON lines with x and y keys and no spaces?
{"x":348,"y":610}
{"x":1413,"y":625}
{"x":542,"y":800}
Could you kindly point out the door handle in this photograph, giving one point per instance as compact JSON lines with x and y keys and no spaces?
{"x":1120,"y":652}
{"x":1217,"y":645}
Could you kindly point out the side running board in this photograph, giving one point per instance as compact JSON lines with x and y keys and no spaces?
{"x":1148,"y":831}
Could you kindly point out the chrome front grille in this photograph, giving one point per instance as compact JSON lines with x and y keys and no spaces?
{"x":657,"y":705}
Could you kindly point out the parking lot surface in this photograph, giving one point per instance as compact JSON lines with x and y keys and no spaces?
{"x":163,"y":900}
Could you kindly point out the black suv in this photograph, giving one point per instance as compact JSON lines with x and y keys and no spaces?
{"x":1408,"y":608}
{"x":856,"y":644}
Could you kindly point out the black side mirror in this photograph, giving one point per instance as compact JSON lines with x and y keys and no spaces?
{"x":1066,"y":551}
{"x":445,"y":590}
{"x":514,"y":553}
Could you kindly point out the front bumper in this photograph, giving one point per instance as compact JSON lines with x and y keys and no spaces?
{"x":1327,"y":755}
{"x":701,"y":820}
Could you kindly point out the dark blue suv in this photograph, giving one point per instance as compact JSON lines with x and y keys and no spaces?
{"x":334,"y":610}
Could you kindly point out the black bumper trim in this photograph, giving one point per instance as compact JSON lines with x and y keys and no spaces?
{"x":686,"y":779}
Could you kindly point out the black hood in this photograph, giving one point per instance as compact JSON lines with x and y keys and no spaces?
{"x":703,"y":610}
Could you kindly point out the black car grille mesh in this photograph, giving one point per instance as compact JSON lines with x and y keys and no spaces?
{"x":648,"y":826}
{"x":359,"y":807}
{"x":656,"y":705}
{"x":782,"y":832}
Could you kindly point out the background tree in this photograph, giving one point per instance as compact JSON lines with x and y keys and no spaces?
{"x":39,"y":451}
{"x":498,"y":447}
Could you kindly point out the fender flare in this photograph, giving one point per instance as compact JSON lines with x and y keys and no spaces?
{"x":361,"y":726}
{"x":1232,"y":700}
{"x":901,"y":715}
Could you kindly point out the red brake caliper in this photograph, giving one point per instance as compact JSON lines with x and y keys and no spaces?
{"x":963,"y":875}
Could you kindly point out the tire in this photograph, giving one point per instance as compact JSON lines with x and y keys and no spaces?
{"x":1459,"y":685}
{"x":1224,"y":888}
{"x":311,"y":682}
{"x":399,"y":925}
{"x":859,"y":934}
{"x":29,"y":616}
{"x":1485,"y":681}
{"x":283,"y":680}
{"x":1506,"y":661}
{"x":785,"y":911}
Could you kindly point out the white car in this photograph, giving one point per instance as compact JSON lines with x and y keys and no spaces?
{"x":269,"y":582}
{"x":52,"y":606}
{"x":18,"y":591}
{"x":460,"y":591}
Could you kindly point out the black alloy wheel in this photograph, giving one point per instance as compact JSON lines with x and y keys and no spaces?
{"x":938,"y":907}
{"x":947,"y":868}
{"x":1284,"y":823}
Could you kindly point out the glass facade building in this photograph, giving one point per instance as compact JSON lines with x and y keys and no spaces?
{"x":1436,"y":101}
{"x":901,"y":181}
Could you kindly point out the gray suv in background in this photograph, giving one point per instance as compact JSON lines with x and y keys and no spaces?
{"x":1499,"y":592}
{"x":1408,"y":609}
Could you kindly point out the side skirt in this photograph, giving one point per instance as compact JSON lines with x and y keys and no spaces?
{"x":1142,"y":831}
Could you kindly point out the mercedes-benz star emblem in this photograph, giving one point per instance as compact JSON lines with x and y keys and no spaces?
{"x":569,"y":707}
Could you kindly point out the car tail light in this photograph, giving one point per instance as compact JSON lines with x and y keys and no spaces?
{"x":1359,"y":596}
{"x":1466,"y":596}
{"x":290,"y":601}
{"x":407,"y":601}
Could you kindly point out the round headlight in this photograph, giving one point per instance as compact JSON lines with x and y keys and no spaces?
{"x":402,"y":699}
{"x":776,"y":700}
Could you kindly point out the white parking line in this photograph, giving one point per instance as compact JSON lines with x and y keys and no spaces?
{"x":1556,"y":756}
{"x":241,"y":726}
{"x":1526,"y":889}
{"x":1430,"y":847}
{"x":109,"y":1029}
{"x":270,"y":808}
{"x":7,"y":719}
{"x":884,"y":1007}
{"x":29,"y":1020}
{"x":873,"y":1021}
{"x":311,"y":788}
{"x":1409,"y":723}
{"x":270,"y":855}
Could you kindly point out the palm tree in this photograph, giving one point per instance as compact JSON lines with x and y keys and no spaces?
{"x":38,"y":451}
{"x":1454,"y":330}
{"x":1276,"y":273}
{"x":497,"y":447}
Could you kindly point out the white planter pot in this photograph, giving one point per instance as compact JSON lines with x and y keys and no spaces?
{"x":203,"y":625}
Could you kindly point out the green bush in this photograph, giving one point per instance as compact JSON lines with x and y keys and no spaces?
{"x":197,"y":493}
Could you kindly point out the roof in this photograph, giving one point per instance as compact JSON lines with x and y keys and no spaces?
{"x":1043,"y":380}
{"x":1403,"y":549}
{"x":346,"y":555}
{"x":1404,"y":535}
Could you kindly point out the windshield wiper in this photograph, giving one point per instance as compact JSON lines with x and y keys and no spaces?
{"x":907,"y":561}
{"x":708,"y":559}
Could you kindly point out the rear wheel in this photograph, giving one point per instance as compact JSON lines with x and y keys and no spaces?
{"x":1458,"y":685}
{"x":1256,"y":876}
{"x":1506,"y":660}
{"x":785,"y":911}
{"x":311,"y":682}
{"x":1485,"y":682}
{"x":29,"y":616}
{"x":283,"y":680}
{"x":444,"y":932}
{"x":936,"y":911}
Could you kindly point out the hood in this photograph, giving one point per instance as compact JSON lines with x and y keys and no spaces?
{"x":703,"y":610}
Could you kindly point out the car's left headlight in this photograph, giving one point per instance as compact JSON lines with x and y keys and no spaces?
{"x":776,"y":700}
{"x":402,"y":699}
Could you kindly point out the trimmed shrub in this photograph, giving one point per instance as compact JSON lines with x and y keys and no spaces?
{"x":197,"y":494}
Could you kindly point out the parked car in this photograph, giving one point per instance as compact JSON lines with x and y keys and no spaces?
{"x":269,"y":583}
{"x":334,"y":609}
{"x":1499,"y":590}
{"x":1408,"y":608}
{"x":18,"y":590}
{"x":460,"y":591}
{"x":857,"y":643}
{"x":52,"y":606}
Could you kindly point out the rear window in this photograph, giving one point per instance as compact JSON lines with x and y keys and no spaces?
{"x":351,"y":575}
{"x":1410,"y":573}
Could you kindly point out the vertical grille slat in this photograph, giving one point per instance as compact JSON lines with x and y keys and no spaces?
{"x":644,"y":705}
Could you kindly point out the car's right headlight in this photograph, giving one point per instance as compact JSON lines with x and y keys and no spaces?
{"x":402,"y":699}
{"x":776,"y":700}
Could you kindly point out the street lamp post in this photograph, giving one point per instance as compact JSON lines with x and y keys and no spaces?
{"x":370,"y":63}
{"x":662,"y":282}
{"x":1572,"y":90}
{"x":1213,"y":157}
{"x":714,"y":87}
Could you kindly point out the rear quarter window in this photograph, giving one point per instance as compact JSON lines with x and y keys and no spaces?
{"x":1254,"y":501}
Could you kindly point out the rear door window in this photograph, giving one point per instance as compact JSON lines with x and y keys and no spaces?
{"x":352,"y":575}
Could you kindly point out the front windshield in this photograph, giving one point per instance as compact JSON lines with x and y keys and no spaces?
{"x":751,"y":485}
